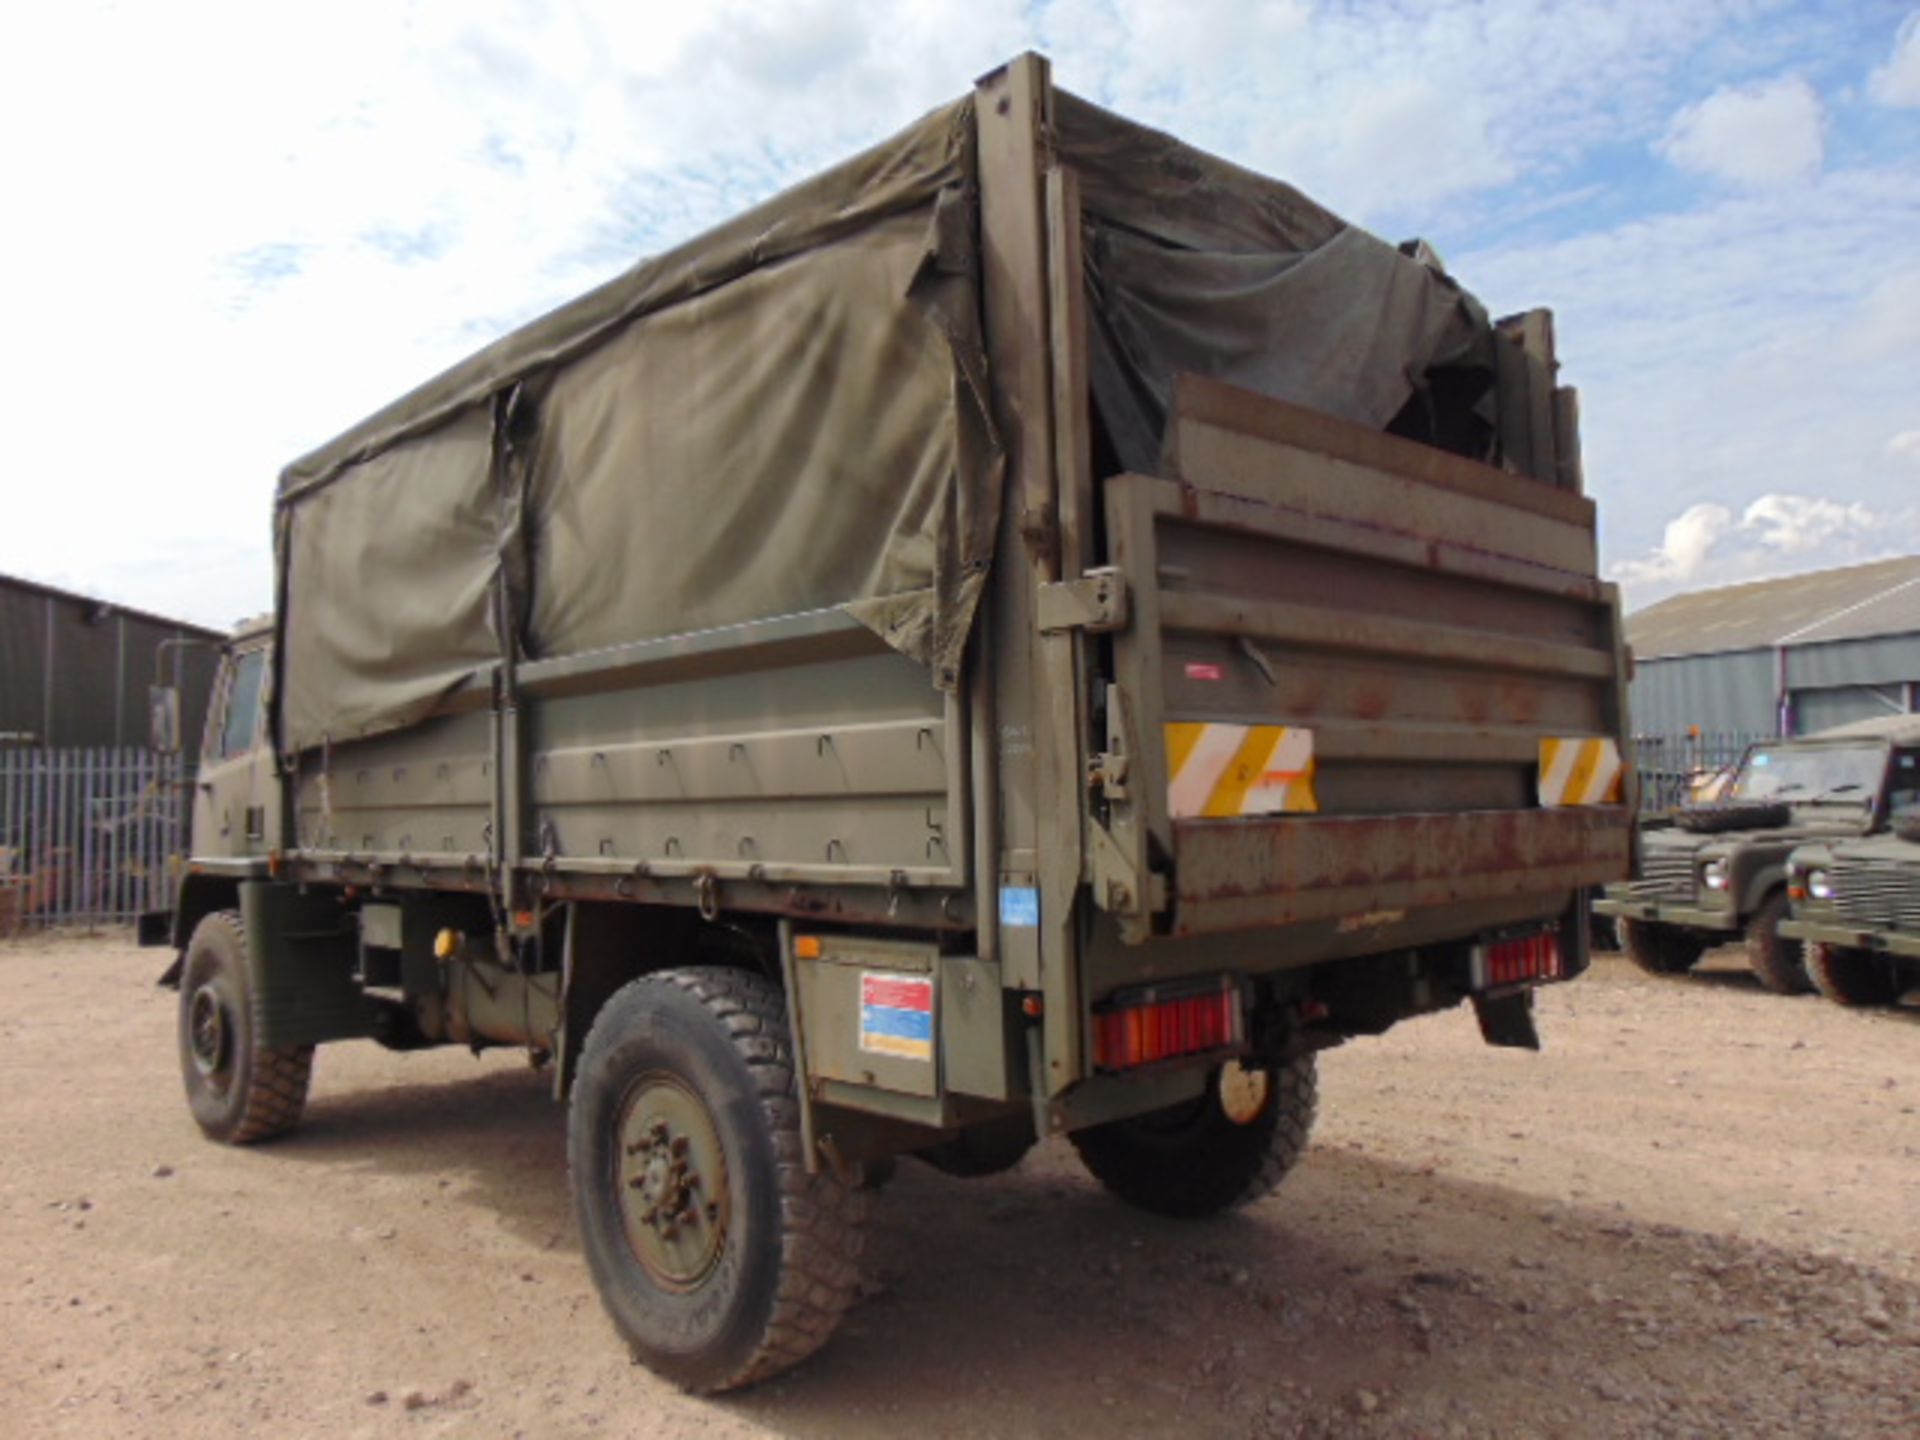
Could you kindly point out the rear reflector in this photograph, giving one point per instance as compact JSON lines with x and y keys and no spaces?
{"x":1147,"y":1026}
{"x":1514,"y":962}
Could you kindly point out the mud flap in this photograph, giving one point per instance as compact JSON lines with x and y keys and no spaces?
{"x":153,"y":927}
{"x":300,"y":956}
{"x":1507,"y":1020}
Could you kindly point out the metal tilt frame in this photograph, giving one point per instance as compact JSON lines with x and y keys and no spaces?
{"x":1030,"y":264}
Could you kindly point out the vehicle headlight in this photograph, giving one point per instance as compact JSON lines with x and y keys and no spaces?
{"x":1819,"y":886}
{"x":1713,"y":874}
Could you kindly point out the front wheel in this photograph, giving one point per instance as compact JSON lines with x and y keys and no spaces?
{"x":1851,"y":977}
{"x":239,"y":1090}
{"x":1773,"y":957}
{"x":719,"y":1258}
{"x":1228,"y":1148}
{"x":1660,"y":949}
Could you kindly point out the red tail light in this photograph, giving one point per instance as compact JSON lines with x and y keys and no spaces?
{"x":1150,"y":1025}
{"x":1515,"y":962}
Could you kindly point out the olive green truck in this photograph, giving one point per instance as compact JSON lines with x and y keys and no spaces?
{"x":1035,"y":631}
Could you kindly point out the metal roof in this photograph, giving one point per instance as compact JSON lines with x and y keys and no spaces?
{"x":1900,"y":729}
{"x":104,"y":608}
{"x":1856,"y":603}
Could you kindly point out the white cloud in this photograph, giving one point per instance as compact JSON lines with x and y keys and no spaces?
{"x":1408,"y":146}
{"x":1765,"y":134}
{"x":1905,"y":446}
{"x":1776,"y":534}
{"x":1890,"y":322}
{"x":1688,"y":540}
{"x":1898,"y":81}
{"x":1796,"y":524}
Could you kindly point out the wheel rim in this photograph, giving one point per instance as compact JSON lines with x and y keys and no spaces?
{"x":210,"y":1035}
{"x":671,"y":1180}
{"x":1244,"y":1093}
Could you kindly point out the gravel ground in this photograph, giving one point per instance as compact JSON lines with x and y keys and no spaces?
{"x":1694,"y":1214}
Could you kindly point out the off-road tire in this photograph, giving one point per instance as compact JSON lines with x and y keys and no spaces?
{"x":238,"y":1090}
{"x":1907,"y":825}
{"x":1660,"y":949}
{"x":1777,"y":960}
{"x":787,"y":1266}
{"x":1850,"y":977}
{"x":1190,"y":1160}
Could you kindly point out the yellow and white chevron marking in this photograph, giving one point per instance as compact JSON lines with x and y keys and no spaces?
{"x":1215,"y":771}
{"x":1579,"y":772}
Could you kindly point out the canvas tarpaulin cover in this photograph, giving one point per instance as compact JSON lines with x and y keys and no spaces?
{"x":1196,"y":265}
{"x":786,"y":414}
{"x":789,"y":413}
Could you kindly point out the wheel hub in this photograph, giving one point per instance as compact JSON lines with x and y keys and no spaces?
{"x":672,"y":1182}
{"x":208,"y":1031}
{"x":1244,"y":1093}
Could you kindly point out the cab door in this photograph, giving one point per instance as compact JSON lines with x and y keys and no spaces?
{"x":229,"y":810}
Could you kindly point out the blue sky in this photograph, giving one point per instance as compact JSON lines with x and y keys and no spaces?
{"x":235,"y":228}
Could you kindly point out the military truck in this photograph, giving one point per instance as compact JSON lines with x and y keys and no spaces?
{"x":1720,"y":869}
{"x":1035,"y":631}
{"x":1856,"y":903}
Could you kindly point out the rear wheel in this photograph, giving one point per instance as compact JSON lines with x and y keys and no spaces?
{"x":1660,"y":949}
{"x":1851,"y":977}
{"x":239,"y":1090}
{"x":1774,"y":958}
{"x":1228,"y":1148}
{"x":719,"y":1258}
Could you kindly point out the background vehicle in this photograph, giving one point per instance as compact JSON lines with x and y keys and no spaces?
{"x":891,"y":678}
{"x":1721,"y":869}
{"x":1856,"y":906}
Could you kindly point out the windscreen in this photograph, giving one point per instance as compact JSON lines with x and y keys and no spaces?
{"x":1804,"y":775}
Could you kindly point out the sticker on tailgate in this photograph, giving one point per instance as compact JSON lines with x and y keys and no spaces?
{"x":896,"y":1015}
{"x":1217,"y":771}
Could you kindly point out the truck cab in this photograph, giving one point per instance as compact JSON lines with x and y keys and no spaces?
{"x":235,"y":799}
{"x":1720,"y":870}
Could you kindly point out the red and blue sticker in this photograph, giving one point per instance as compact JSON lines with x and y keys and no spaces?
{"x":896,"y":1015}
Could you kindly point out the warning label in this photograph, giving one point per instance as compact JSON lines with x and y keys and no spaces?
{"x":896,"y":1015}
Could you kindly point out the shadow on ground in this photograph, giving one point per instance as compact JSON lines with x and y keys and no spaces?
{"x":1032,"y":1304}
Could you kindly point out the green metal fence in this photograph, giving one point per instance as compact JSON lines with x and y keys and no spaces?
{"x":87,"y":837}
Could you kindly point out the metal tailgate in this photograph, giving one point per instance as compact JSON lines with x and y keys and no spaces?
{"x":1362,"y":675}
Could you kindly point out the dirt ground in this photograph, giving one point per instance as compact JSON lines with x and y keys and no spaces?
{"x":1697,"y":1213}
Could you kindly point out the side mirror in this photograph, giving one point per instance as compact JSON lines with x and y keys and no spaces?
{"x":163,"y":719}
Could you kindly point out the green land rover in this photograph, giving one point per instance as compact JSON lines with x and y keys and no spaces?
{"x":1720,"y":870}
{"x":1856,"y":905}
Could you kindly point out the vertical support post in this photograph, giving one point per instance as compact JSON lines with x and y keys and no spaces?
{"x":119,"y":679}
{"x":46,"y":675}
{"x":1782,"y":694}
{"x":1072,"y":422}
{"x":91,"y":892}
{"x":1525,"y":368}
{"x":1036,"y":675}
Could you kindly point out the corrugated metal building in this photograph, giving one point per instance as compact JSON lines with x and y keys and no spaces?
{"x":75,"y":671}
{"x":1780,"y":657}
